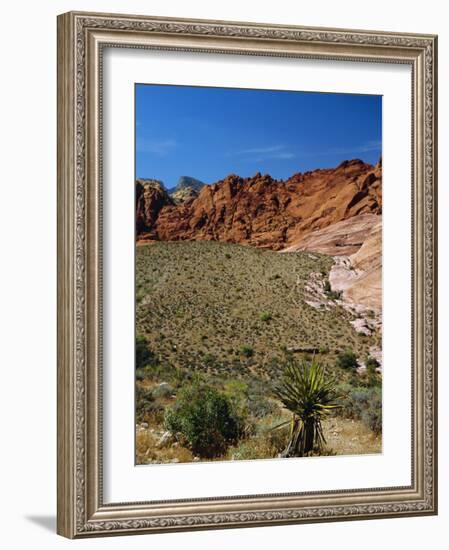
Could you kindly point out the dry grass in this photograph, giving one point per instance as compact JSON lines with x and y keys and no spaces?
{"x":228,"y":313}
{"x":147,"y":451}
{"x":350,"y":437}
{"x":229,"y":309}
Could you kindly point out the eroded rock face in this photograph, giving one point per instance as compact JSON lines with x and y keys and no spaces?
{"x":359,"y":276}
{"x":338,"y":239}
{"x":367,"y":288}
{"x":264,"y":212}
{"x":151,"y":197}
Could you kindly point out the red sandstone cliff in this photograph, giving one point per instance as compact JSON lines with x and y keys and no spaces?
{"x":261,"y":211}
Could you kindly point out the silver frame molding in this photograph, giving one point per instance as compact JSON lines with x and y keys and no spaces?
{"x":81,"y":39}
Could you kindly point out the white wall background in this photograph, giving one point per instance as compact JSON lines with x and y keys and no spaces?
{"x":28,"y":271}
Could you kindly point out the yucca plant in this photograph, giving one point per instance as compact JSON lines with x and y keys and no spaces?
{"x":309,"y":396}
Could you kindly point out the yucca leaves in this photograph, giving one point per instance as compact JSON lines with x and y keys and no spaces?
{"x":309,"y":395}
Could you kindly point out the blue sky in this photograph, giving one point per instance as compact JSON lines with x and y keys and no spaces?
{"x":208,"y":133}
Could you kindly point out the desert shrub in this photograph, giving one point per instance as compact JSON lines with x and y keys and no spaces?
{"x":252,"y":449}
{"x":275,"y":431}
{"x":265,"y":316}
{"x":367,"y":405}
{"x":209,"y":360}
{"x":362,"y":403}
{"x":347,"y":360}
{"x":372,"y":417}
{"x":260,"y":406}
{"x":140,"y":374}
{"x":205,"y":418}
{"x":163,"y":390}
{"x":259,"y":403}
{"x":158,"y":370}
{"x":331,"y":294}
{"x":246,"y":450}
{"x":373,"y":377}
{"x":247,"y":351}
{"x":143,"y":353}
{"x":372,"y":364}
{"x":267,"y":441}
{"x":179,"y":376}
{"x":335,"y":294}
{"x":146,"y":408}
{"x":237,"y":393}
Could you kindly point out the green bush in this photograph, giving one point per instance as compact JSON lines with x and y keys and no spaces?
{"x":140,"y":374}
{"x":331,"y":294}
{"x":205,"y":418}
{"x":266,"y":316}
{"x":163,"y":390}
{"x":247,"y":351}
{"x":373,"y":377}
{"x":347,"y":360}
{"x":372,"y":364}
{"x":209,"y":360}
{"x":144,"y":356}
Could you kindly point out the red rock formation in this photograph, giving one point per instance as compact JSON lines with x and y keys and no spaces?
{"x":264,"y":212}
{"x":151,"y":197}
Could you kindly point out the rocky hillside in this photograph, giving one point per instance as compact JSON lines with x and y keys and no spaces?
{"x":261,"y":211}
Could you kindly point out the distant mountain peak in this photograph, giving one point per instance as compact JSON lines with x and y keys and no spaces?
{"x":186,"y":189}
{"x":188,"y":181}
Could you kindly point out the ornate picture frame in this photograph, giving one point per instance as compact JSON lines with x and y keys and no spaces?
{"x":82,"y":38}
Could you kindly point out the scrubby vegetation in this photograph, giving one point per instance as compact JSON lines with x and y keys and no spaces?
{"x":362,"y":403}
{"x":217,"y":326}
{"x":347,"y":360}
{"x":205,"y":418}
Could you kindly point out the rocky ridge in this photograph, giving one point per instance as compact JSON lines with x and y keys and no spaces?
{"x":261,"y":211}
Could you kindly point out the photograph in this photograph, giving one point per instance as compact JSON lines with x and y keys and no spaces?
{"x":258,"y":274}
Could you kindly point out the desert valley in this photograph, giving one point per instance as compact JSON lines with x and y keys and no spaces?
{"x":237,"y":279}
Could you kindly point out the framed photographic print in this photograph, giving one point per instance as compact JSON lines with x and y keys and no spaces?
{"x":246,"y":274}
